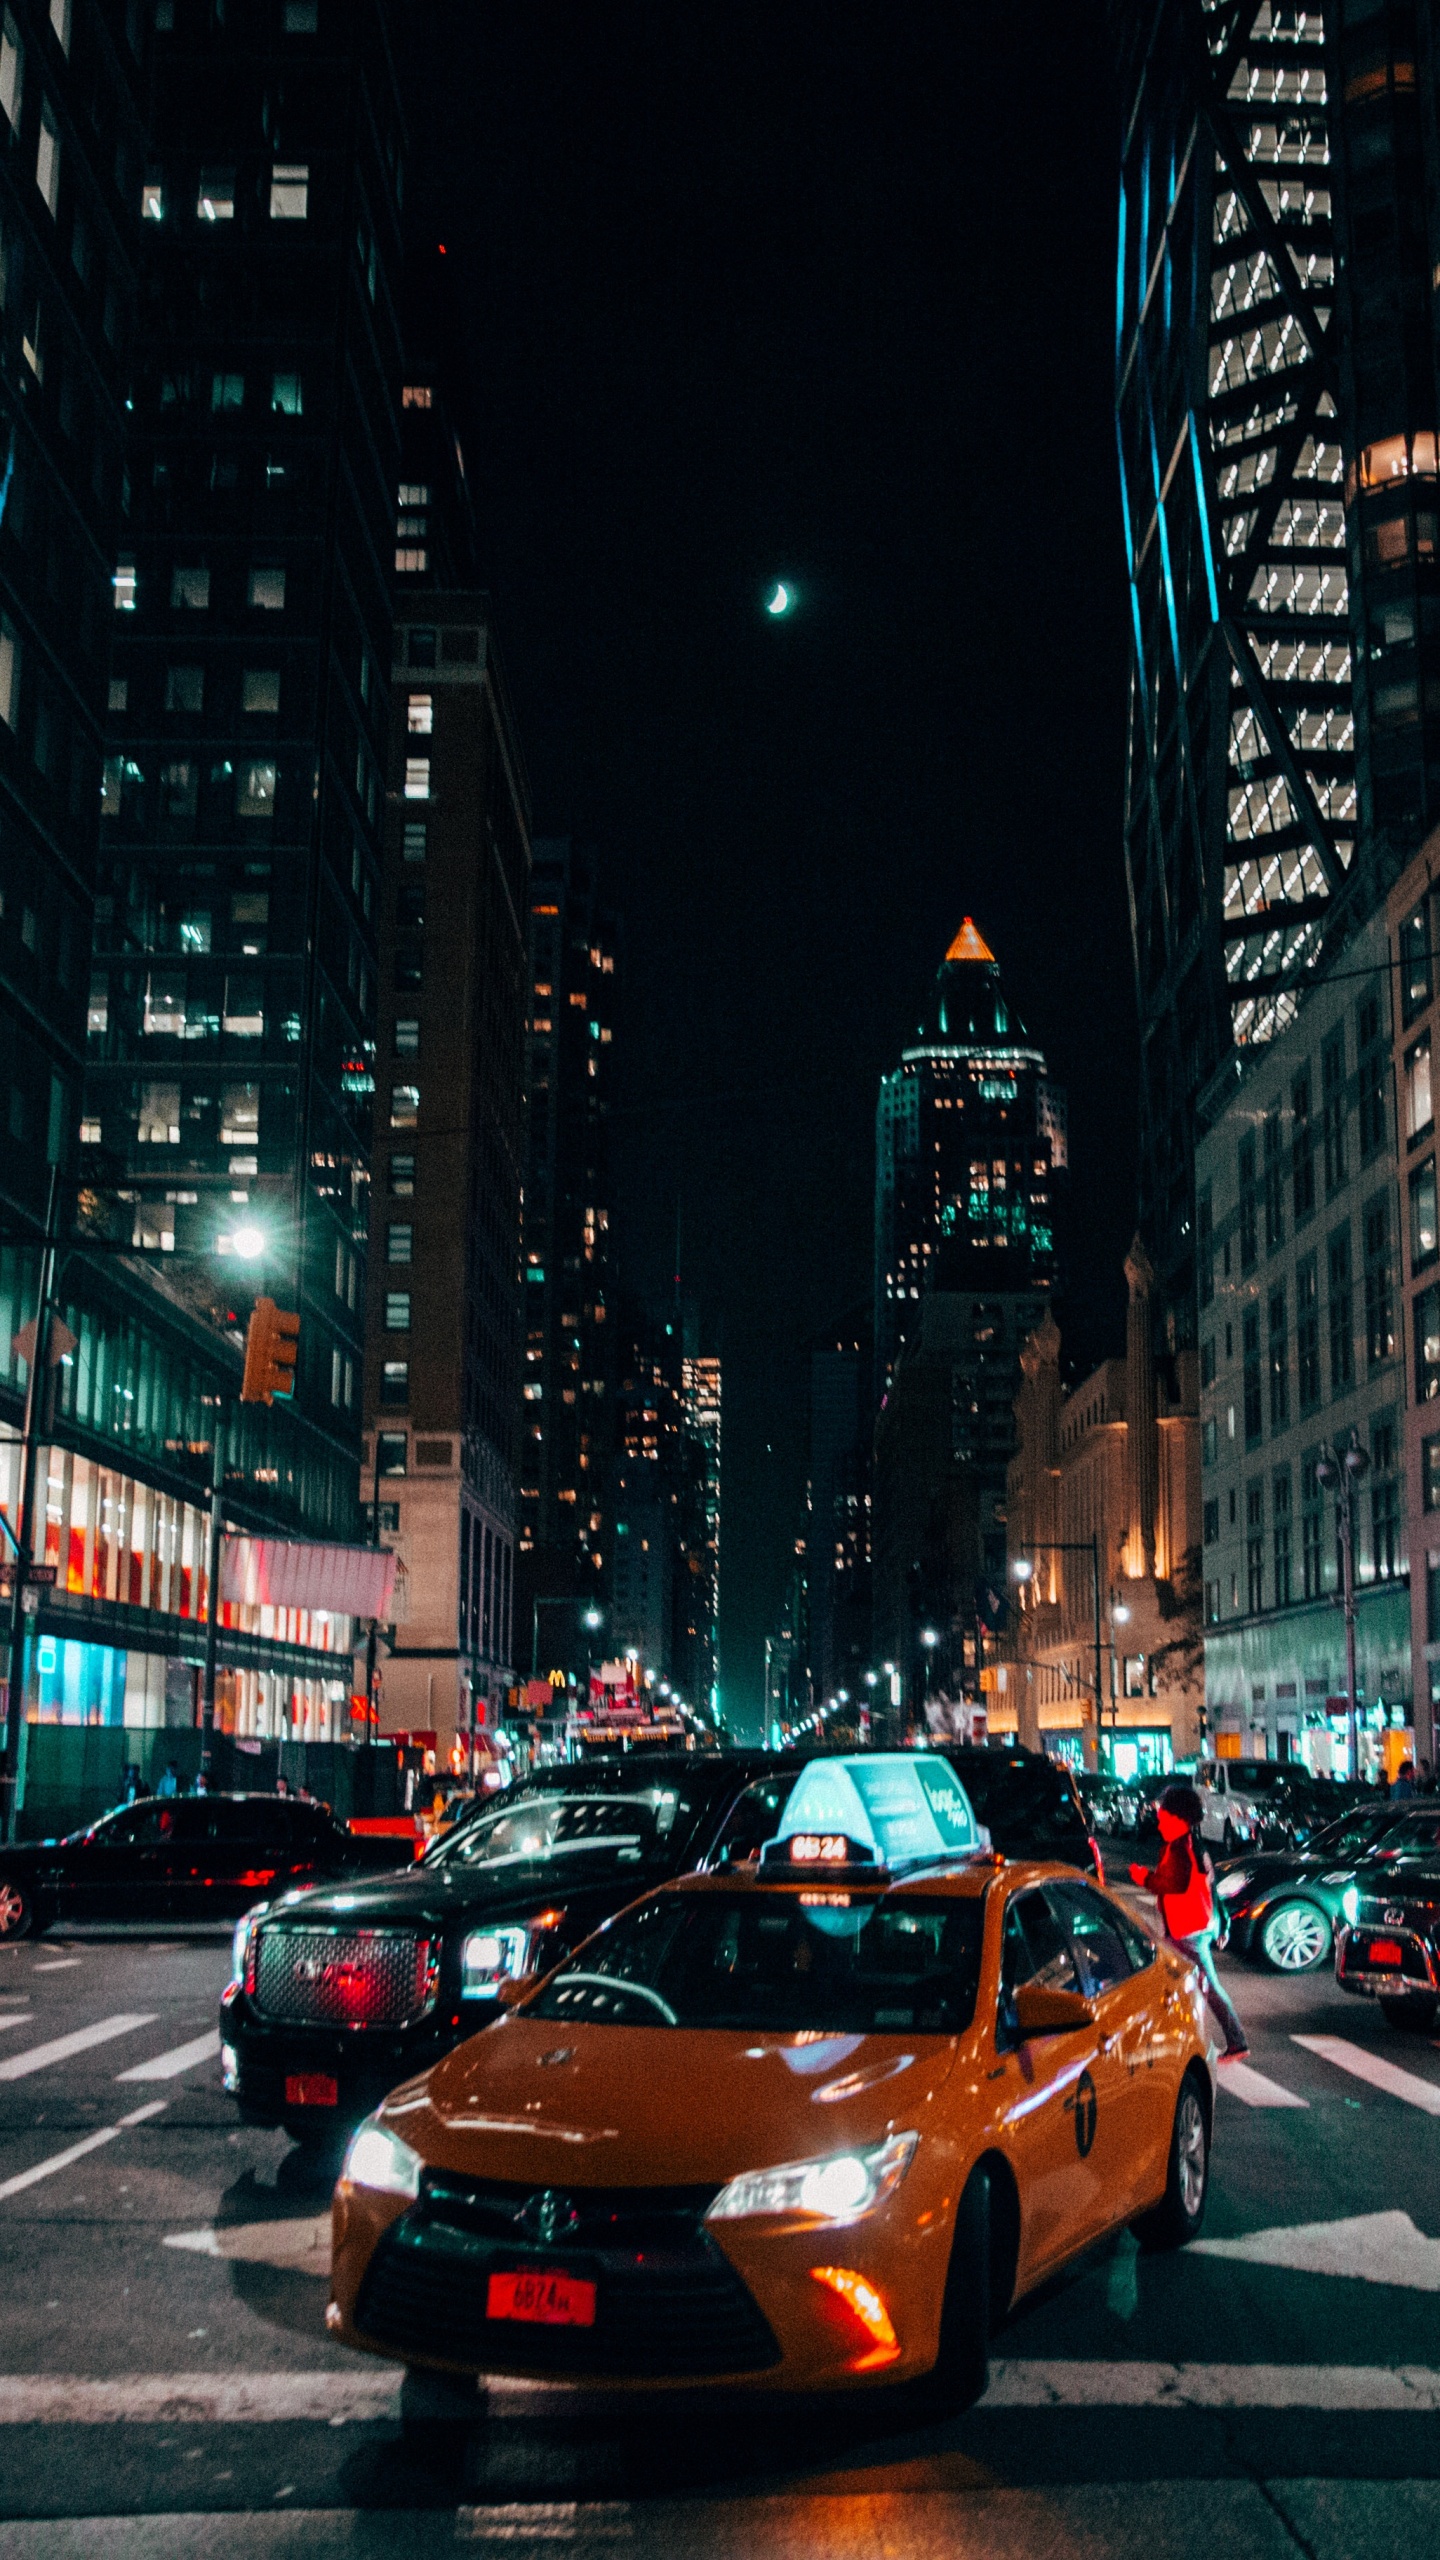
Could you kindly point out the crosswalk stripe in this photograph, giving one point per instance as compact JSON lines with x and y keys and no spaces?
{"x":38,"y":2057}
{"x":22,"y":2018}
{"x":1363,"y":2065}
{"x":182,"y":2057}
{"x":77,"y":2151}
{"x":371,"y":2392}
{"x":1254,"y":2090}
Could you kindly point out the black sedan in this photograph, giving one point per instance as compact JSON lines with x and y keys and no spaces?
{"x":337,"y":1995}
{"x":1284,"y":1907}
{"x":178,"y":1858}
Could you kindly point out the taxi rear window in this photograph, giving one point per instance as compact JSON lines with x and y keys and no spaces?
{"x":783,"y":1963}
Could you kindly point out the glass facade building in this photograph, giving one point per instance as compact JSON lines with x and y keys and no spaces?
{"x":1276,"y":412}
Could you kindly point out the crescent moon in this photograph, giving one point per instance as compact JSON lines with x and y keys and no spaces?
{"x":780,"y":601}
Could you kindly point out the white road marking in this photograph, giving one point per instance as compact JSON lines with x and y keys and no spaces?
{"x":1363,"y":2066}
{"x":302,"y":2247}
{"x":554,"y":2520}
{"x":1254,"y":2090}
{"x":372,"y":2393}
{"x":169,"y":2399}
{"x":181,"y":2057}
{"x":38,"y":2057}
{"x":1073,"y":2385}
{"x":20,"y":2018}
{"x":58,"y":1964}
{"x":78,"y":2150}
{"x":1379,"y":2248}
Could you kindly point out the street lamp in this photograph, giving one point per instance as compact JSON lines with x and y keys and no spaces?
{"x":1340,"y":1468}
{"x":1022,"y":1569}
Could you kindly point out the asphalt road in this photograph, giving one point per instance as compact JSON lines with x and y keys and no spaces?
{"x":166,"y":2386}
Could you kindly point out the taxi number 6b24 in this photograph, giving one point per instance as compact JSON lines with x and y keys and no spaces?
{"x":555,"y":2301}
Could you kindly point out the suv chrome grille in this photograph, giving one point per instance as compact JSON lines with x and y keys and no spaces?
{"x":344,"y":1977}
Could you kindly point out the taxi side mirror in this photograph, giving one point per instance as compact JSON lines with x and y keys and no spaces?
{"x":1039,"y":2012}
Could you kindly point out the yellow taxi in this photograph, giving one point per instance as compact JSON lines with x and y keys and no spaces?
{"x":809,"y":2124}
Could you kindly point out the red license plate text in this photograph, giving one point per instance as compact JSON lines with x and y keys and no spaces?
{"x":1387,"y":1951}
{"x":562,"y":2302}
{"x":311,"y":2089}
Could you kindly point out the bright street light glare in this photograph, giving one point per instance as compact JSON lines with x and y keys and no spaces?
{"x":929,"y":1637}
{"x":248,"y":1242}
{"x":1022,"y":1568}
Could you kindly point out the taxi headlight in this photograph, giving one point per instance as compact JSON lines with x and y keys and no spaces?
{"x":838,"y":2189}
{"x":378,"y":2158}
{"x":490,"y":1957}
{"x":1350,"y":1904}
{"x":1229,"y":1886}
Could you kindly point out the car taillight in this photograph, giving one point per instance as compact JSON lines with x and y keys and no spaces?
{"x":1099,"y":1861}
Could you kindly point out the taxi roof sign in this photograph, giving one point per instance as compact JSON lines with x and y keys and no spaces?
{"x":903,"y":1806}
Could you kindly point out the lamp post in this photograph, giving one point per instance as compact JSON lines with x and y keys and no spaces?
{"x":1023,"y":1568}
{"x":1340,"y":1467}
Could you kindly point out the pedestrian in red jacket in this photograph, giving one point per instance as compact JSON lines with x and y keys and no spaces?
{"x":1180,"y":1882}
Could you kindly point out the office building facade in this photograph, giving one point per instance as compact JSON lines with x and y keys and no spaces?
{"x":1302,"y":1277}
{"x":442,"y":1386}
{"x":1277,"y":413}
{"x":224,"y":1134}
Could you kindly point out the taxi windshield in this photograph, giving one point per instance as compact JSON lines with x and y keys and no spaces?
{"x":779,"y":1963}
{"x":625,"y":1830}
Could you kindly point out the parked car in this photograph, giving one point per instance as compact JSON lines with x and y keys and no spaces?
{"x":338,"y":1996}
{"x":1284,"y":1907}
{"x":1388,"y":1947}
{"x":179,"y":1858}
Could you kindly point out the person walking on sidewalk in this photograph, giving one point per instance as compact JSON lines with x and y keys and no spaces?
{"x":1180,"y":1882}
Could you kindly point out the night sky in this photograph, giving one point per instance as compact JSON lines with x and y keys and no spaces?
{"x":823,"y":295}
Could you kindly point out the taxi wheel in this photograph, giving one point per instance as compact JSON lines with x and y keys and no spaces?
{"x":17,"y":1911}
{"x":437,"y":2411}
{"x":1181,"y":2210}
{"x":962,"y":2367}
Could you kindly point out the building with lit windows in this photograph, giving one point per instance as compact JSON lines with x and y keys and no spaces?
{"x":970,"y":1160}
{"x":1302,"y":1278}
{"x":224,"y":1135}
{"x":1413,"y":926}
{"x":838,"y":1485}
{"x":1103,"y":1533}
{"x":695,"y":1666}
{"x":1277,"y":414}
{"x":568,"y":1423}
{"x":442,"y":1385}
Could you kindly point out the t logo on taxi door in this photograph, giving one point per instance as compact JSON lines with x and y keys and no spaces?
{"x":1082,"y":2106}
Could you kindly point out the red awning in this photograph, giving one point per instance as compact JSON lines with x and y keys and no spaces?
{"x":280,"y":1573}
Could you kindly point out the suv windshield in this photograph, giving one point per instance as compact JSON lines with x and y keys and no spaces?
{"x":629,"y":1830}
{"x":779,"y":1964}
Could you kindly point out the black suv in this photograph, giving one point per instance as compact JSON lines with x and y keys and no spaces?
{"x":178,"y":1858}
{"x":1389,"y":1948}
{"x":338,"y":1995}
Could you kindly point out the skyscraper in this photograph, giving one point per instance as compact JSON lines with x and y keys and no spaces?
{"x":1277,"y":406}
{"x":970,"y":1157}
{"x":568,"y":1427}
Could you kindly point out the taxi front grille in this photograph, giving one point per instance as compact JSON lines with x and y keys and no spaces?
{"x":352,"y":1978}
{"x":590,"y":2217}
{"x":676,"y":2310}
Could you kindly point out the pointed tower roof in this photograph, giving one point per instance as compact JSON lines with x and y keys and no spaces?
{"x":968,"y":1008}
{"x":969,"y":945}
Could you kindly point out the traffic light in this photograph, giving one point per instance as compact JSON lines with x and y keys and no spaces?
{"x":271,"y":1343}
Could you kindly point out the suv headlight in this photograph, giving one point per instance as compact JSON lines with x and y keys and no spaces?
{"x":839,"y":2189}
{"x":490,"y":1957}
{"x":1350,"y":1903}
{"x":379,"y":2159}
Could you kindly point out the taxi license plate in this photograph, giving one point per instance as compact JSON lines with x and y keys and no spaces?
{"x":311,"y":2089}
{"x":562,"y":2302}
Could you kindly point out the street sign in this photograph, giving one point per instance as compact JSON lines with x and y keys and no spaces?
{"x":43,"y":1574}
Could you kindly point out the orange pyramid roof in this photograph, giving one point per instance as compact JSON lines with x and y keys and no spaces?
{"x":968,"y":945}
